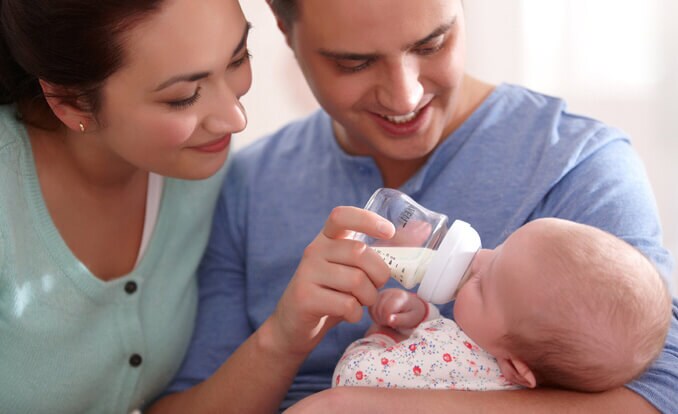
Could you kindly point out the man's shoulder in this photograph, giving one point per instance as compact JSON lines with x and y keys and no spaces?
{"x":299,"y":141}
{"x":537,"y":111}
{"x":292,"y":134}
{"x":516,"y":119}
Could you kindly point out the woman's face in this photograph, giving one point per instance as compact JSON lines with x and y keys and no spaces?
{"x":387,"y":71}
{"x":174,"y":104}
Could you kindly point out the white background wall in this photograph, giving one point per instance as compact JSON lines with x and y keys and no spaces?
{"x":614,"y":60}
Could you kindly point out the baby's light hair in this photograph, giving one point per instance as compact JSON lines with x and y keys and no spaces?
{"x":607,"y":311}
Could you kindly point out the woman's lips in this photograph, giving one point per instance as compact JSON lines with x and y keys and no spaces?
{"x":214,"y":146}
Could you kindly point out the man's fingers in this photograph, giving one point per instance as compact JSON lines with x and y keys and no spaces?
{"x":349,"y":253}
{"x":355,"y":282}
{"x":345,"y":219}
{"x":327,"y":302}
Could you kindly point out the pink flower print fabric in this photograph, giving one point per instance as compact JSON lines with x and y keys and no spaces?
{"x":438,"y":355}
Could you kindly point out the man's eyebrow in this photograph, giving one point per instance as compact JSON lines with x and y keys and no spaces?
{"x":192,"y":77}
{"x":347,"y":55}
{"x":443,"y":28}
{"x":440,"y":30}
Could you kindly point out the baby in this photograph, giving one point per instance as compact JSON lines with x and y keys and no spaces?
{"x":558,"y":304}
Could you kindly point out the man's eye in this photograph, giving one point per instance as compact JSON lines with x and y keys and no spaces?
{"x":429,"y":50}
{"x":351,"y":66}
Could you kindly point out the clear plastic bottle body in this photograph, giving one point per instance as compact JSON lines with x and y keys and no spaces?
{"x":423,"y":250}
{"x":419,"y":232}
{"x":408,"y":264}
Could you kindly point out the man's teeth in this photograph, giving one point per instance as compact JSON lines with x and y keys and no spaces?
{"x":401,"y":119}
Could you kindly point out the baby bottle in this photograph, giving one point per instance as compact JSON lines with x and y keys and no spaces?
{"x":423,"y":251}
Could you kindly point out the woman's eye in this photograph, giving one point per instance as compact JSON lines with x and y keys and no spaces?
{"x":184,"y":103}
{"x":240,"y":61}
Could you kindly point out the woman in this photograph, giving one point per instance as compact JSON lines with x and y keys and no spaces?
{"x":108,"y":108}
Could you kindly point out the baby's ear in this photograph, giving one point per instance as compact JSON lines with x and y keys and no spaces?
{"x":517,"y":372}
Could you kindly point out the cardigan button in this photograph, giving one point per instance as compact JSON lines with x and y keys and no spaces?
{"x":135,"y":360}
{"x":130,"y":287}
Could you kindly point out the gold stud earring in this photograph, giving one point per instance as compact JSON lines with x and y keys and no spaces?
{"x":82,"y":126}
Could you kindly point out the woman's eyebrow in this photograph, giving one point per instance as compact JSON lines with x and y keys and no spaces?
{"x":188,"y":77}
{"x":243,"y":39}
{"x":192,"y":77}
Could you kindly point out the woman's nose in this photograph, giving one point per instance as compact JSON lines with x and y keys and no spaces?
{"x":227,"y":116}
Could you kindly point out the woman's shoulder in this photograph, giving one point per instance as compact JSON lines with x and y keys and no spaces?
{"x":13,"y":147}
{"x":3,"y":252}
{"x":12,"y":185}
{"x":12,"y":150}
{"x":10,"y":126}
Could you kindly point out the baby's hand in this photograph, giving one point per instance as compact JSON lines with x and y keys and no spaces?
{"x":398,"y":309}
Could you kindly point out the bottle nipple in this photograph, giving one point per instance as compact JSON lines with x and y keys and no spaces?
{"x":445,"y":272}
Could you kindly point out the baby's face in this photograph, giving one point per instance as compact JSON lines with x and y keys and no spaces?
{"x":497,"y":290}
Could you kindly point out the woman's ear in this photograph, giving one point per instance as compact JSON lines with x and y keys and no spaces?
{"x":69,"y":114}
{"x":517,"y":372}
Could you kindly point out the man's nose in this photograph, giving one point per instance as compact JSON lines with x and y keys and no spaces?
{"x":400,"y":90}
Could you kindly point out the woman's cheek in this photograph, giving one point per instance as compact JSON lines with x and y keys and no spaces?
{"x":174,"y":131}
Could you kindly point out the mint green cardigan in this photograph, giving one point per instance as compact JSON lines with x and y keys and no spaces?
{"x":70,"y":342}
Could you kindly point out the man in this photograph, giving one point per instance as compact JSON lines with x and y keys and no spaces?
{"x":398,"y":111}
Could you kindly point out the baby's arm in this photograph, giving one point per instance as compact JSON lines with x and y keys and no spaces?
{"x":398,"y":310}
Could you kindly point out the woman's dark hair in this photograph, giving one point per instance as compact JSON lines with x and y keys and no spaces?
{"x":72,"y":44}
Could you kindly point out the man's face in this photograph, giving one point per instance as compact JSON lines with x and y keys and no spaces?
{"x":387,"y":71}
